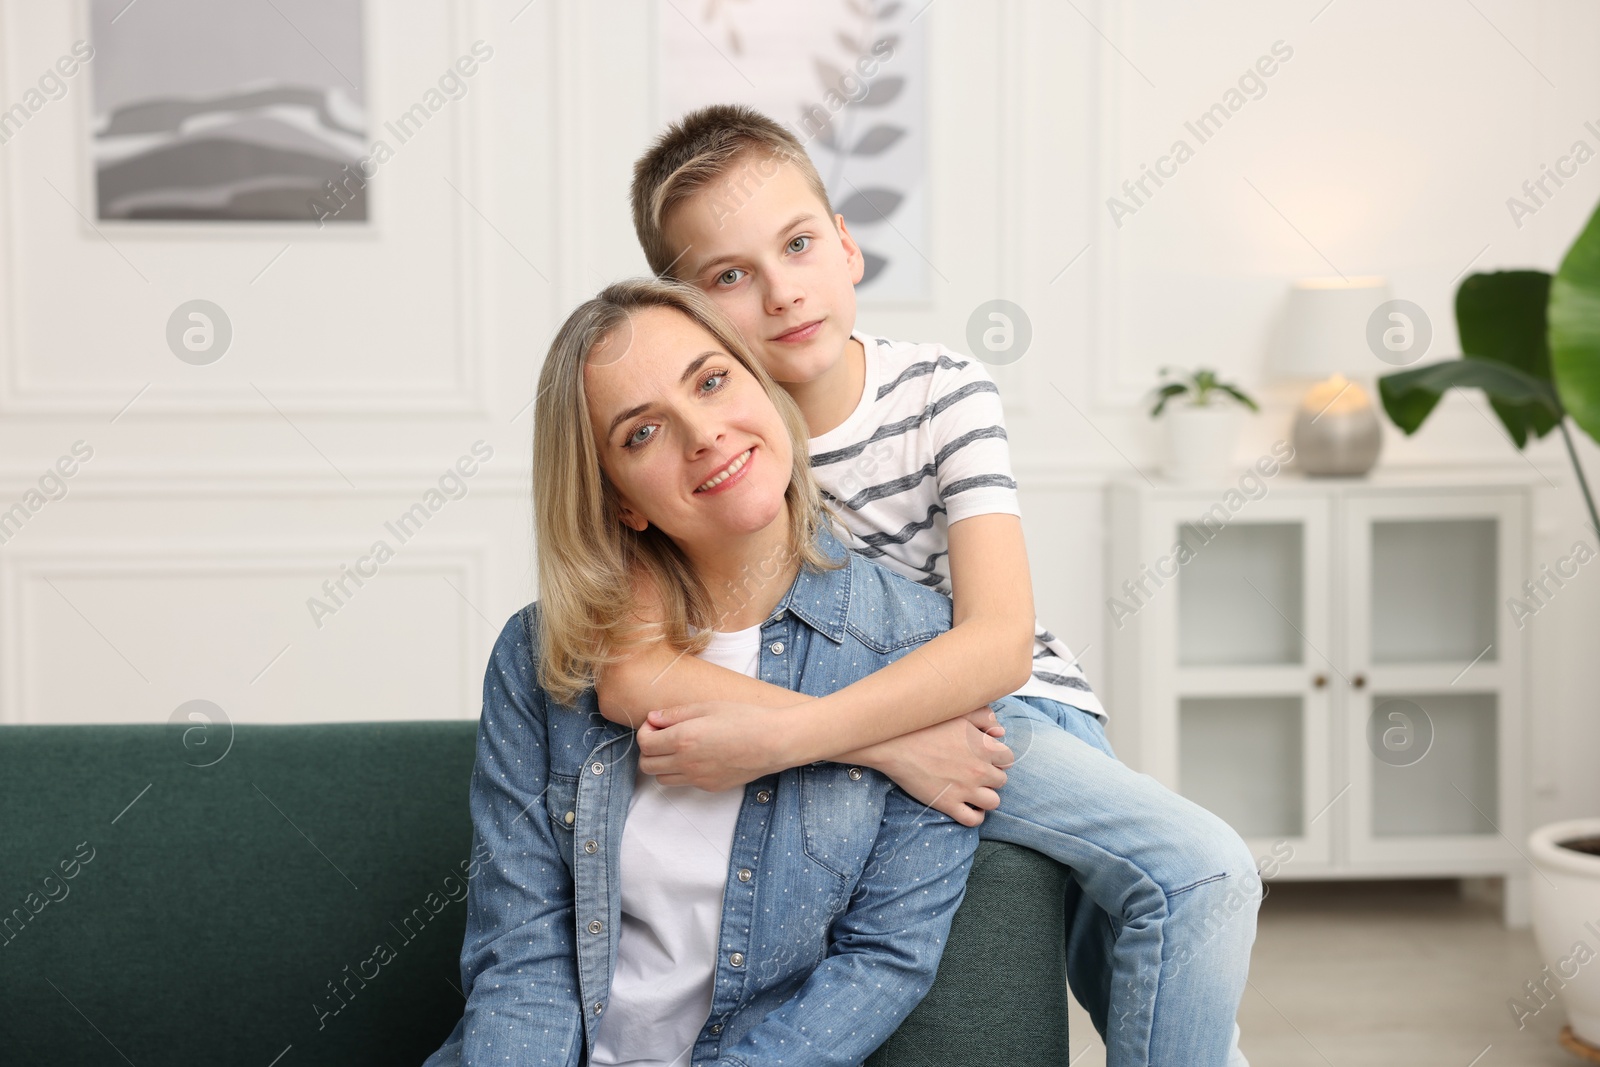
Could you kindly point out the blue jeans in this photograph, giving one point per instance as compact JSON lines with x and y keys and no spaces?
{"x":1161,"y":912}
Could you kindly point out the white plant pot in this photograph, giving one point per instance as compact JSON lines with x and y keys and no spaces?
{"x":1566,"y":921}
{"x":1201,"y":440}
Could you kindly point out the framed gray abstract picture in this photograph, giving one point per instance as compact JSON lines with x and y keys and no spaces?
{"x":230,"y":112}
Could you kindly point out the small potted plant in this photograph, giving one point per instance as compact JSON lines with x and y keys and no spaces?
{"x":1203,"y":429}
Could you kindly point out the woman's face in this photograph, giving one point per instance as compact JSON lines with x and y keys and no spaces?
{"x":688,"y":437}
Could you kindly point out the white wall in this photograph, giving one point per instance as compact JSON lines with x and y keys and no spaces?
{"x":179,"y":564}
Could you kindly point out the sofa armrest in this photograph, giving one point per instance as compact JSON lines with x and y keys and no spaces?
{"x":1001,"y":993}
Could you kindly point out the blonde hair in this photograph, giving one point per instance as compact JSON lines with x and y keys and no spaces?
{"x":697,"y":151}
{"x":587,"y":559}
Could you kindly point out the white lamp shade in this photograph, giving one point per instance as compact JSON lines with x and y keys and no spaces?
{"x":1325,"y":331}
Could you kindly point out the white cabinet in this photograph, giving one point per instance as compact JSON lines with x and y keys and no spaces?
{"x":1329,"y":665}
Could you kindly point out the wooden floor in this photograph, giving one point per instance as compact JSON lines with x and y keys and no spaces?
{"x":1408,"y":974}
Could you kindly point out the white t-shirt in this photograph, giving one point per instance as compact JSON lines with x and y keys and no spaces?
{"x":926,"y":447}
{"x":676,"y":844}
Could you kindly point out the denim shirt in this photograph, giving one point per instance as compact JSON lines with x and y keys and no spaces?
{"x":840,"y":888}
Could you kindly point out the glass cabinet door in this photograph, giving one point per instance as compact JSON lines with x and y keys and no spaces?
{"x":1248,"y":628}
{"x":1430,"y":690}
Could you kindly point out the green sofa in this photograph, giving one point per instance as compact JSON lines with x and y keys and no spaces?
{"x":175,"y":896}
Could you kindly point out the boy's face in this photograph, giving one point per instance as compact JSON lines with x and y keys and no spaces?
{"x":765,"y":249}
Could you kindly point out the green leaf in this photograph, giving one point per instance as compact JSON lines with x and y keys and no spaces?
{"x":1501,"y":319}
{"x":1238,"y":395}
{"x":1165,"y":393}
{"x":1411,"y":395}
{"x":1575,"y":329}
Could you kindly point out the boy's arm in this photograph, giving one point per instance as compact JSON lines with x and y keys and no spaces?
{"x":950,"y":764}
{"x":656,"y":676}
{"x":985,"y":655}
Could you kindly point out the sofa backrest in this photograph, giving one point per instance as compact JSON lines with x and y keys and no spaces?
{"x":224,"y":913}
{"x":293,"y":895}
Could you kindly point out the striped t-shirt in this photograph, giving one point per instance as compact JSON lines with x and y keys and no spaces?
{"x":925,"y":447}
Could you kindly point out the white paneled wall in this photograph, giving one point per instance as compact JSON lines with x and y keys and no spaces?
{"x":218,"y":499}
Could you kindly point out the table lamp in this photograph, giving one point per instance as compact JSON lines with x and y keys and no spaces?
{"x":1336,"y":431}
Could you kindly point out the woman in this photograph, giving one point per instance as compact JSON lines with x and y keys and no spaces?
{"x":621,"y":922}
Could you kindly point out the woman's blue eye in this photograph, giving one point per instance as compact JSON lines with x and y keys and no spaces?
{"x":800,"y":244}
{"x":639,"y":436}
{"x":729,"y":276}
{"x":719,"y":377}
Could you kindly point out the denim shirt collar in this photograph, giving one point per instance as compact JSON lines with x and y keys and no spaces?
{"x":821,"y":598}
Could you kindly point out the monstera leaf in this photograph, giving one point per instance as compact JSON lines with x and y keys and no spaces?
{"x":1575,"y":329}
{"x":1532,"y":343}
{"x":1410,"y":396}
{"x":1501,"y":320}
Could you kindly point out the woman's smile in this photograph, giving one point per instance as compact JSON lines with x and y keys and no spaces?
{"x":729,"y":474}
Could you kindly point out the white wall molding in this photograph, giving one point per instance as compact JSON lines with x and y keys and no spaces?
{"x":25,"y":571}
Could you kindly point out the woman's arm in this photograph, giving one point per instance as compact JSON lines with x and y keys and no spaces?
{"x":518,"y":961}
{"x":882,"y":953}
{"x":986,"y":654}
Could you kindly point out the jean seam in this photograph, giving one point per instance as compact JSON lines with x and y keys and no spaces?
{"x":1196,"y":885}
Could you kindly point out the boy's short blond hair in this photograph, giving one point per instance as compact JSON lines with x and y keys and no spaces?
{"x":698,"y":151}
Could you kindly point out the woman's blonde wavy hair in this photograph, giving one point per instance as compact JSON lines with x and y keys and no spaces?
{"x":588,"y":560}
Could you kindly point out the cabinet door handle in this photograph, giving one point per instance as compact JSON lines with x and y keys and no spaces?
{"x":1319,"y":681}
{"x":1359,"y":681}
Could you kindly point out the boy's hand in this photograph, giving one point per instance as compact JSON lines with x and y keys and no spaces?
{"x":955,"y":767}
{"x":713,"y":745}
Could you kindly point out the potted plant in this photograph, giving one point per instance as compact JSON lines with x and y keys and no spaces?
{"x":1201,"y":431}
{"x":1532,"y":344}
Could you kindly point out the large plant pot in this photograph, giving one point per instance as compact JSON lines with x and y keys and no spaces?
{"x":1201,"y":440}
{"x":1566,"y":920}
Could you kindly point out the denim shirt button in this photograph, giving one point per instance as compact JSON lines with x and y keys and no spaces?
{"x":569,"y":818}
{"x":763,"y":796}
{"x":598,"y":1008}
{"x":737,"y":959}
{"x":597,"y":767}
{"x":595,"y":926}
{"x":776,"y":648}
{"x":716,"y":1028}
{"x":591,"y":847}
{"x":744,"y":874}
{"x":855,"y":774}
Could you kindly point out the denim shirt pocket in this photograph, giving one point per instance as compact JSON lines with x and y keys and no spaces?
{"x":561,"y":801}
{"x":840,"y":812}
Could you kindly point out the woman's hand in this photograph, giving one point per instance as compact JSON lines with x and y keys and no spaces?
{"x":956,"y":767}
{"x":713,"y":745}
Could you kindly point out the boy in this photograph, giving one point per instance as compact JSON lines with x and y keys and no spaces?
{"x":908,"y":443}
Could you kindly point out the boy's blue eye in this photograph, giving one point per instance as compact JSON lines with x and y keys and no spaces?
{"x":729,"y":276}
{"x":800,"y":244}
